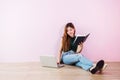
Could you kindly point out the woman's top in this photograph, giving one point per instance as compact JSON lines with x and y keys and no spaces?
{"x":73,"y":47}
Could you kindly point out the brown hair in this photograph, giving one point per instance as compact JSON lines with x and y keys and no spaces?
{"x":66,"y":38}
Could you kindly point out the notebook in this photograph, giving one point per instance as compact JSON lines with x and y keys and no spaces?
{"x":80,"y":39}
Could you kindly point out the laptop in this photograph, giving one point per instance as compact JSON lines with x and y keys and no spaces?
{"x":49,"y":61}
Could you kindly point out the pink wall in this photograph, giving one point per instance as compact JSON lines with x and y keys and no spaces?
{"x":30,"y":28}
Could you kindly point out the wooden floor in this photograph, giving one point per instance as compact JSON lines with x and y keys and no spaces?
{"x":33,"y":71}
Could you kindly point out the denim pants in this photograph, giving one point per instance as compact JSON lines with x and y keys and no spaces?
{"x":70,"y":57}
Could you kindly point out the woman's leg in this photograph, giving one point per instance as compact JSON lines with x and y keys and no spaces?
{"x":70,"y":57}
{"x":85,"y":63}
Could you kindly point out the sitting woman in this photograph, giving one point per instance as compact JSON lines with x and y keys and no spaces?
{"x":70,"y":54}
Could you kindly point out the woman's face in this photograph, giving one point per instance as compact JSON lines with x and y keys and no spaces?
{"x":71,"y":31}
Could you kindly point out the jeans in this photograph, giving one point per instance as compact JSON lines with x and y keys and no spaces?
{"x":70,"y":57}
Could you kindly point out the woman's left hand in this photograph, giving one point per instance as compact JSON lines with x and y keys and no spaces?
{"x":79,"y":48}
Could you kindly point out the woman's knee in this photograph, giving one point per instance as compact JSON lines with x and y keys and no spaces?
{"x":70,"y":59}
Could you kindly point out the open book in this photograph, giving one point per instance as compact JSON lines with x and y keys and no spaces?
{"x":80,"y":39}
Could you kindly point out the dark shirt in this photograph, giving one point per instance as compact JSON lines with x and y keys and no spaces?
{"x":73,"y":47}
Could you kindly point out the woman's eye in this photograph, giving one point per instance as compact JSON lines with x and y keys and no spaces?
{"x":70,"y":29}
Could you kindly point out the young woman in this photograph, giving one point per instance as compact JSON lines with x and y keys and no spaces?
{"x":71,"y":55}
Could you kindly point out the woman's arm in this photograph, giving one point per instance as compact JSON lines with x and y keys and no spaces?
{"x":79,"y":48}
{"x":59,"y":53}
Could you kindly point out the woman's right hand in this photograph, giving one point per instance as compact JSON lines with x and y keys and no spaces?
{"x":58,"y":62}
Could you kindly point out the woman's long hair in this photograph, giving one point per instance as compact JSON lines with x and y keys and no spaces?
{"x":66,"y":37}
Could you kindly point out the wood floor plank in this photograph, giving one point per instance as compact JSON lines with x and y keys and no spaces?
{"x":34,"y":71}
